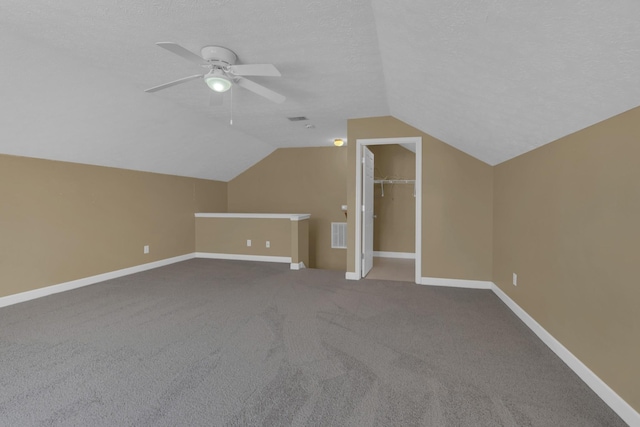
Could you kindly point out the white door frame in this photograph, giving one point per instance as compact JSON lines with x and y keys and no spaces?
{"x":368,"y":176}
{"x":358,"y":206}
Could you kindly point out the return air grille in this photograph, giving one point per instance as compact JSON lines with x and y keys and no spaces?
{"x":339,"y":235}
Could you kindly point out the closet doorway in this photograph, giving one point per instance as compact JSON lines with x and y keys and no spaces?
{"x":388,"y":224}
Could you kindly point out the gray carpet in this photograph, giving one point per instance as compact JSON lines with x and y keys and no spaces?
{"x":230,"y":343}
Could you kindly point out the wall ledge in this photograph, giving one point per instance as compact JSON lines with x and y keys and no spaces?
{"x":292,"y":217}
{"x":610,"y":397}
{"x":74,"y":284}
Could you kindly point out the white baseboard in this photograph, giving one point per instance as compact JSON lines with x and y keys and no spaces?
{"x":238,"y":257}
{"x":403,"y":255}
{"x":351,"y":276}
{"x":610,"y":397}
{"x":456,"y":283}
{"x":298,"y":266}
{"x":74,"y":284}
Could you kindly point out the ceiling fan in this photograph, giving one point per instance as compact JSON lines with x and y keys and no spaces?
{"x":222,"y":71}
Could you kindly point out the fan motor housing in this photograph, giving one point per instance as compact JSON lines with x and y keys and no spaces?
{"x":218,"y":55}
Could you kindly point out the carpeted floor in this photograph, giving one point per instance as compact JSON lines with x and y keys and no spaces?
{"x":230,"y":343}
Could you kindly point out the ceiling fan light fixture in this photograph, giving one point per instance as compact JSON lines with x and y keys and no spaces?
{"x":223,"y":72}
{"x":217,"y":81}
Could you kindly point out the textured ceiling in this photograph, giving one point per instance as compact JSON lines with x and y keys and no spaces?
{"x":499,"y":78}
{"x":494,"y":79}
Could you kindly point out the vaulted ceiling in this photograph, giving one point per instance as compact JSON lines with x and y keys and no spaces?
{"x":492,"y":78}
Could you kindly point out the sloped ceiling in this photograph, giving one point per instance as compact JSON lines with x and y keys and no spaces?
{"x":494,"y":79}
{"x":499,"y":78}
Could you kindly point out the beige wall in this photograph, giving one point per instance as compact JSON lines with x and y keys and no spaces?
{"x":64,"y":221}
{"x":298,"y":180}
{"x":564,"y":217}
{"x":230,"y":235}
{"x":567,"y":221}
{"x":394,"y":227}
{"x":457,"y":197}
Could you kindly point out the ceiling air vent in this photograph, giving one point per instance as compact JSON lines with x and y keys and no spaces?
{"x":297,"y":119}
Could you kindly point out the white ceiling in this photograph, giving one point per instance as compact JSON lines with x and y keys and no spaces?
{"x":499,"y":78}
{"x":494,"y":79}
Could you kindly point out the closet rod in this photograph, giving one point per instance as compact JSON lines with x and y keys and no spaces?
{"x":382,"y":182}
{"x":394,"y":181}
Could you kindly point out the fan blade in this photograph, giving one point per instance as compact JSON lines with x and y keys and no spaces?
{"x":260,"y":90}
{"x":181,"y":51}
{"x":175,"y":82}
{"x":255,"y":70}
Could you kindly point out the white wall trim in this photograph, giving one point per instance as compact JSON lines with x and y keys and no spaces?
{"x":298,"y":266}
{"x":417,"y":140}
{"x":387,"y":141}
{"x":292,"y":217}
{"x":610,"y":397}
{"x":238,"y":257}
{"x":74,"y":284}
{"x":418,"y":207}
{"x":349,"y":275}
{"x":456,"y":283}
{"x":402,"y":255}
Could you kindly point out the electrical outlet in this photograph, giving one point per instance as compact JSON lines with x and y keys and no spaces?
{"x":146,"y":249}
{"x":248,"y":242}
{"x":268,"y":244}
{"x":515,"y":279}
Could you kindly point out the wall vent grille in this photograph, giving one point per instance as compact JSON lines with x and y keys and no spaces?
{"x":297,"y":119}
{"x":339,"y":235}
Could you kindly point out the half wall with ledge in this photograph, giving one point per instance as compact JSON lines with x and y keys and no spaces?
{"x":254,"y":237}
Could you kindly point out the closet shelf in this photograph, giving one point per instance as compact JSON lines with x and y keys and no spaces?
{"x":382,"y":182}
{"x":394,"y":181}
